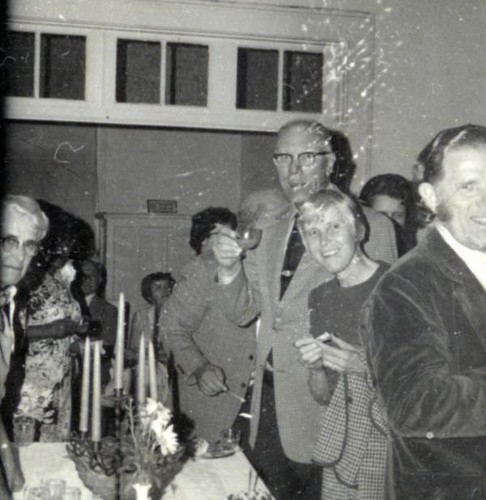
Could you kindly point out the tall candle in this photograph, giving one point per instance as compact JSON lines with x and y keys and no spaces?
{"x":120,"y":343}
{"x":96,"y":411}
{"x":152,"y":371}
{"x":83,"y":416}
{"x":141,"y":371}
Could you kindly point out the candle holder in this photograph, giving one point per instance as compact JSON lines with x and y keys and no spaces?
{"x":118,"y":400}
{"x":140,"y":453}
{"x":98,"y":464}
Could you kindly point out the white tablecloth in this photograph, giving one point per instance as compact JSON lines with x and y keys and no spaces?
{"x":201,"y":479}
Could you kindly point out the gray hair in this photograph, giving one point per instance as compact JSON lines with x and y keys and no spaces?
{"x":28,"y":207}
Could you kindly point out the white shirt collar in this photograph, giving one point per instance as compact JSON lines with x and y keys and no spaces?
{"x":89,"y":298}
{"x":474,"y":259}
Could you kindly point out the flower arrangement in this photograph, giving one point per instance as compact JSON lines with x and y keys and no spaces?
{"x":150,"y":449}
{"x":147,"y":456}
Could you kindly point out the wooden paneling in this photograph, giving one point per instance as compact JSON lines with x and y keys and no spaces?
{"x":134,"y":245}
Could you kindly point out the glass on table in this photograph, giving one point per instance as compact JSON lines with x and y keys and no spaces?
{"x":230,"y":438}
{"x":33,"y":493}
{"x":53,"y":489}
{"x":24,"y":430}
{"x":72,"y":493}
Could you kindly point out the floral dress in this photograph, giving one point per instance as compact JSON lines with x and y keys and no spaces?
{"x":46,"y":390}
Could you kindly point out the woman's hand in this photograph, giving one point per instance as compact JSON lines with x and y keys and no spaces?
{"x":337,"y":355}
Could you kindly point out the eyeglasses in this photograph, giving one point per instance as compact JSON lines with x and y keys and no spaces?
{"x":12,"y":244}
{"x":306,"y":159}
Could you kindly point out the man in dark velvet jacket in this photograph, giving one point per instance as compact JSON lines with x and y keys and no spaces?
{"x":425,"y":330}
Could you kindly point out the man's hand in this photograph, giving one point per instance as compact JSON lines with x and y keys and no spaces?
{"x":210,"y":380}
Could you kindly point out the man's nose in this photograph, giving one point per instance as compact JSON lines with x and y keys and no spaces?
{"x":295,"y":165}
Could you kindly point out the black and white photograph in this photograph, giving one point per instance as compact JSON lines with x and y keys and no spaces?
{"x":318,"y":169}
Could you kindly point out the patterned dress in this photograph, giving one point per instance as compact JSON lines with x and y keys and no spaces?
{"x":46,"y":390}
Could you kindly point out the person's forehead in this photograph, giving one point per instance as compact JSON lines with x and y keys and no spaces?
{"x":89,"y":269}
{"x":16,"y":223}
{"x":300,"y":138}
{"x":464,"y":161}
{"x":324,"y":215}
{"x":385,"y":200}
{"x":160,"y":283}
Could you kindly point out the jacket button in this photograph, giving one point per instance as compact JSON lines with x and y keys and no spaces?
{"x":251,"y":357}
{"x":243,"y":385}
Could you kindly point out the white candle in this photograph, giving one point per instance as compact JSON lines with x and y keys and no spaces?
{"x":152,"y":371}
{"x":83,"y":416}
{"x":141,"y":371}
{"x":120,"y":343}
{"x":96,"y":411}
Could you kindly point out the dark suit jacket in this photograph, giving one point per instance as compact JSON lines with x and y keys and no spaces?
{"x":424,"y":328}
{"x":107,"y":314}
{"x":101,"y":310}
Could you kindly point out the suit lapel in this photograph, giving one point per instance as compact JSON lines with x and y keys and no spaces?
{"x":472,"y":296}
{"x":306,"y":272}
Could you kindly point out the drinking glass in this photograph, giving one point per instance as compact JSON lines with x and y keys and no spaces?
{"x":33,"y":493}
{"x":54,"y":489}
{"x":248,"y":237}
{"x":72,"y":493}
{"x":230,"y":438}
{"x":24,"y":430}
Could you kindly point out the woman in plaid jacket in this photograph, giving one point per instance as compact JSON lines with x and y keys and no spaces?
{"x":351,"y":445}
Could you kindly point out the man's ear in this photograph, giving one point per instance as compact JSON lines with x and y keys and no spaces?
{"x":429,"y":195}
{"x":330,"y":165}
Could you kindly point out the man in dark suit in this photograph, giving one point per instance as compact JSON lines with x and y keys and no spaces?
{"x":274,"y":281}
{"x":91,"y":280}
{"x":89,"y":288}
{"x":424,"y":328}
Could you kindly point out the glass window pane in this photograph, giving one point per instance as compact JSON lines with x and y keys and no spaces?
{"x":187,"y":74}
{"x":17,"y":70}
{"x":302,"y":87}
{"x":257,"y":80}
{"x":138,"y":71}
{"x":63,"y":63}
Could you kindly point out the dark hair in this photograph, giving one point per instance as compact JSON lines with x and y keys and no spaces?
{"x":326,"y":198}
{"x":147,"y":281}
{"x":429,"y":166}
{"x":205,"y":221}
{"x":392,"y":185}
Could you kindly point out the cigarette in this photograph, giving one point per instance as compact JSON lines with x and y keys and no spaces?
{"x":325,"y":337}
{"x":239,"y":398}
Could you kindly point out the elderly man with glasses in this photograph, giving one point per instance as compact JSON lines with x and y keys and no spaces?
{"x":23,"y":227}
{"x":274,"y":282}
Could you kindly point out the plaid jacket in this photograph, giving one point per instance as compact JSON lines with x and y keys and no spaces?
{"x":352,"y":442}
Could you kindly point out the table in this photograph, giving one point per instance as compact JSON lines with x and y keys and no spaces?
{"x":200,"y":479}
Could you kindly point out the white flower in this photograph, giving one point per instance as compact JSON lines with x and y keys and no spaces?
{"x":151,"y":406}
{"x":168,"y":441}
